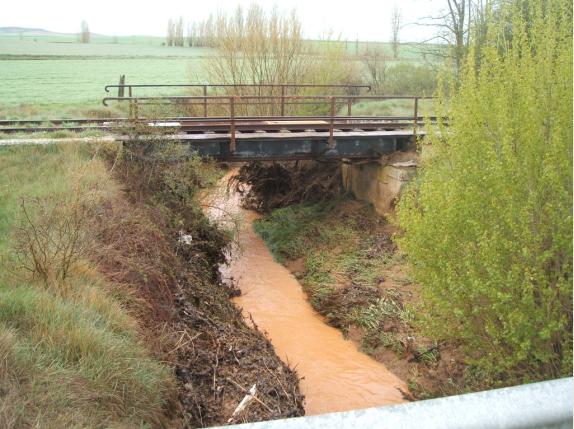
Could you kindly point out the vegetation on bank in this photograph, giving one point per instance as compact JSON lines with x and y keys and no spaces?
{"x":488,"y":222}
{"x":111,"y":309}
{"x":345,"y":258}
{"x":328,"y":237}
{"x":215,"y":354}
{"x":72,"y":355}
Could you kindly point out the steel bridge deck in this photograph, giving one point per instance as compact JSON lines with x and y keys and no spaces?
{"x":251,"y":146}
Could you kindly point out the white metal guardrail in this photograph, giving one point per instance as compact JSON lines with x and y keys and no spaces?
{"x":547,"y":404}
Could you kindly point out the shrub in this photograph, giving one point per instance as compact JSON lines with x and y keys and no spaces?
{"x":488,"y":223}
{"x":52,"y":235}
{"x":409,"y":79}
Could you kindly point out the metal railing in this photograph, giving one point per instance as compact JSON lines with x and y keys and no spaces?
{"x":331,"y":102}
{"x":349,"y":88}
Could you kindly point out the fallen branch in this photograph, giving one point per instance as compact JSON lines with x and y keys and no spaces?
{"x":244,"y":402}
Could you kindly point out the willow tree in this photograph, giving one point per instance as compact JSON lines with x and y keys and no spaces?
{"x":488,"y":223}
{"x":255,"y":47}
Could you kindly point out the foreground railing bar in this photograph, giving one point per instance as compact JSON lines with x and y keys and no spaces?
{"x":269,"y":97}
{"x":547,"y":404}
{"x":212,"y":119}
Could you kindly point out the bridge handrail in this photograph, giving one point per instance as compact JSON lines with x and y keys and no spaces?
{"x":205,"y":87}
{"x":234,"y":100}
{"x":271,"y":97}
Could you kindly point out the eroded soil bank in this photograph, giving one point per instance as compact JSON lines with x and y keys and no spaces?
{"x":353,"y":274}
{"x":161,"y":243}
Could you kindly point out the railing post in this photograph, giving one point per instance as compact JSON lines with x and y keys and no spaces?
{"x":416,"y":117}
{"x":136,"y":109}
{"x":232,"y":124}
{"x":205,"y":101}
{"x":349,"y":104}
{"x":131,"y":108}
{"x":282,"y":100}
{"x":121,"y":87}
{"x":331,"y":140}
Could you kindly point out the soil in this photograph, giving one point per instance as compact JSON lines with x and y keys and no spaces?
{"x":185,"y":310}
{"x":430,"y":369}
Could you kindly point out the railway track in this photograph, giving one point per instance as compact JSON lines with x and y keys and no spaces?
{"x":194,"y":125}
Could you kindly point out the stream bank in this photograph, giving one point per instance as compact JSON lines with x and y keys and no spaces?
{"x":336,"y":376}
{"x":169,"y":251}
{"x":343,"y":254}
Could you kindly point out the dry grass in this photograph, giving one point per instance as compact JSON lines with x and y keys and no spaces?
{"x":71,"y":355}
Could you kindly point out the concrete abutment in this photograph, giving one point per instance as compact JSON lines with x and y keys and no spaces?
{"x":380,"y":182}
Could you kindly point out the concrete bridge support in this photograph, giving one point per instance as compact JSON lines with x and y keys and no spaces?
{"x":381,"y":181}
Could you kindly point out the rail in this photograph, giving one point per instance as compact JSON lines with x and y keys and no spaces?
{"x":206,"y":87}
{"x":242,"y":85}
{"x":331,"y":102}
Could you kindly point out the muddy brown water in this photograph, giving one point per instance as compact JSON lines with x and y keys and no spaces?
{"x":336,"y":376}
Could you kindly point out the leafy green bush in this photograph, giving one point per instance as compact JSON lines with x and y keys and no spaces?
{"x":488,"y":224}
{"x":409,"y":79}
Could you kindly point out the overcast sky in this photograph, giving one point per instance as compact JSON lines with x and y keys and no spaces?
{"x":367,"y":19}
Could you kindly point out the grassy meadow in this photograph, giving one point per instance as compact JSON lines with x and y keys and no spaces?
{"x":67,"y":340}
{"x":47,"y":76}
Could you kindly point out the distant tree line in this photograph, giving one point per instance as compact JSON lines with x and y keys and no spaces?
{"x":207,"y":32}
{"x":197,"y":34}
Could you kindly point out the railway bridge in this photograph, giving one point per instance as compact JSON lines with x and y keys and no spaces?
{"x":238,"y":123}
{"x":271,"y":122}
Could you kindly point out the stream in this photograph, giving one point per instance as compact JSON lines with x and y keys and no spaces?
{"x":336,"y":376}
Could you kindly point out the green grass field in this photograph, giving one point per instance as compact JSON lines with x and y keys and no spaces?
{"x":59,"y":72}
{"x":45,"y":76}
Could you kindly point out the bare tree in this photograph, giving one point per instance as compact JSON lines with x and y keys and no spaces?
{"x":458,"y":22}
{"x":170,"y":39}
{"x":191,"y":34}
{"x":376,"y":66}
{"x":255,"y":47}
{"x":178,"y":36}
{"x":454,"y":25}
{"x":84,"y":32}
{"x":395,"y":30}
